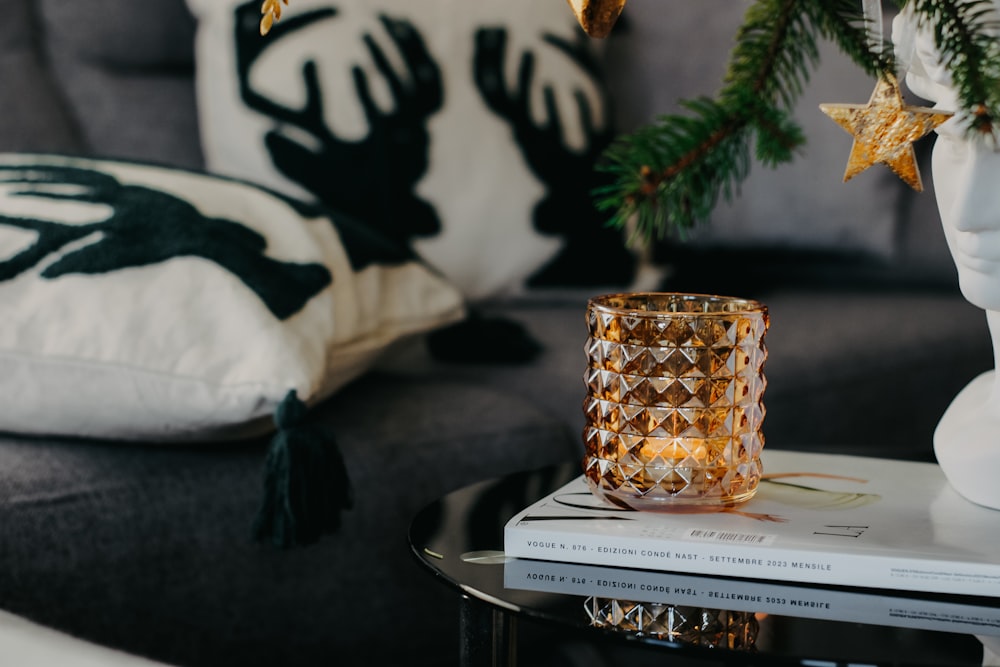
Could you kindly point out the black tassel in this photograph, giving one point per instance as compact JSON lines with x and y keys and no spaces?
{"x":305,"y":482}
{"x":484,"y":340}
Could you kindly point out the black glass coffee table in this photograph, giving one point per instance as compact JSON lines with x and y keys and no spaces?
{"x":697,"y":619}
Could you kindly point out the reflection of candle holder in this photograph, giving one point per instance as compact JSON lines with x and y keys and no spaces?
{"x":696,"y":626}
{"x":674,"y":403}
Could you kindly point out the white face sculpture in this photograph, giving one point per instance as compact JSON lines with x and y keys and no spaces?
{"x":966,"y":173}
{"x":967,"y":188}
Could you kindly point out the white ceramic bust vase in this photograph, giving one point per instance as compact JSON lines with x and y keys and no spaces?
{"x":966,"y":174}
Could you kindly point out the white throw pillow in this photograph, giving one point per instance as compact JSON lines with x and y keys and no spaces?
{"x":146,"y":303}
{"x":466,"y":130}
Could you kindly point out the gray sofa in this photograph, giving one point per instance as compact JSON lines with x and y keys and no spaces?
{"x":146,"y":548}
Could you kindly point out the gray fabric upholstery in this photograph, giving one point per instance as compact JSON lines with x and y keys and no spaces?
{"x":868,"y":373}
{"x":118,"y":61}
{"x":148,"y":548}
{"x":848,"y":370}
{"x":31,"y":105}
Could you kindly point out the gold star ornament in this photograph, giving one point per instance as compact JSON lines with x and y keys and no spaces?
{"x":884,"y":131}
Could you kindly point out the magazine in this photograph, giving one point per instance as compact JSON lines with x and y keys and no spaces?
{"x":923,"y":611}
{"x":816,"y":518}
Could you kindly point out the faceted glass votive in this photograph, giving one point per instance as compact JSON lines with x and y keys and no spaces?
{"x":674,"y":404}
{"x":694,"y":626}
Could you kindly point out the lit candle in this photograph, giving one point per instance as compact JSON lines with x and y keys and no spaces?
{"x":674,"y":405}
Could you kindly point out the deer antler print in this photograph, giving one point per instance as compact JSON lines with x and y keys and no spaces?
{"x":373,"y":179}
{"x":144,"y":227}
{"x":569,"y":175}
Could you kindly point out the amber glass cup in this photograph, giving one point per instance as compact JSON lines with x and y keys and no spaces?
{"x":674,"y":404}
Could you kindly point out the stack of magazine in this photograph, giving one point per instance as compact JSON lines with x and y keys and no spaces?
{"x":816,"y":519}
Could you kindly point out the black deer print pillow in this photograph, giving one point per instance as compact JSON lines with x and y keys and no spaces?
{"x":466,"y":131}
{"x":146,"y":303}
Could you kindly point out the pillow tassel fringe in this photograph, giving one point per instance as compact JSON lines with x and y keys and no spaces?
{"x":305,"y":481}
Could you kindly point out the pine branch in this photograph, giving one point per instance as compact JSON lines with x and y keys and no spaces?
{"x":965,"y":34}
{"x":669,"y":176}
{"x":841,"y":22}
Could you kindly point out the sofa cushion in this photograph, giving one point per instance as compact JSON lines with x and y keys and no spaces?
{"x":33,"y":111}
{"x":145,"y":548}
{"x":117,"y":61}
{"x":466,"y":130}
{"x":849,"y":369}
{"x":159,"y":304}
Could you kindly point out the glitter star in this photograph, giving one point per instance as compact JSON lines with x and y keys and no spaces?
{"x":884,"y":131}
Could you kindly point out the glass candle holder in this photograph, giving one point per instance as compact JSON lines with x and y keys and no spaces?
{"x":674,"y":404}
